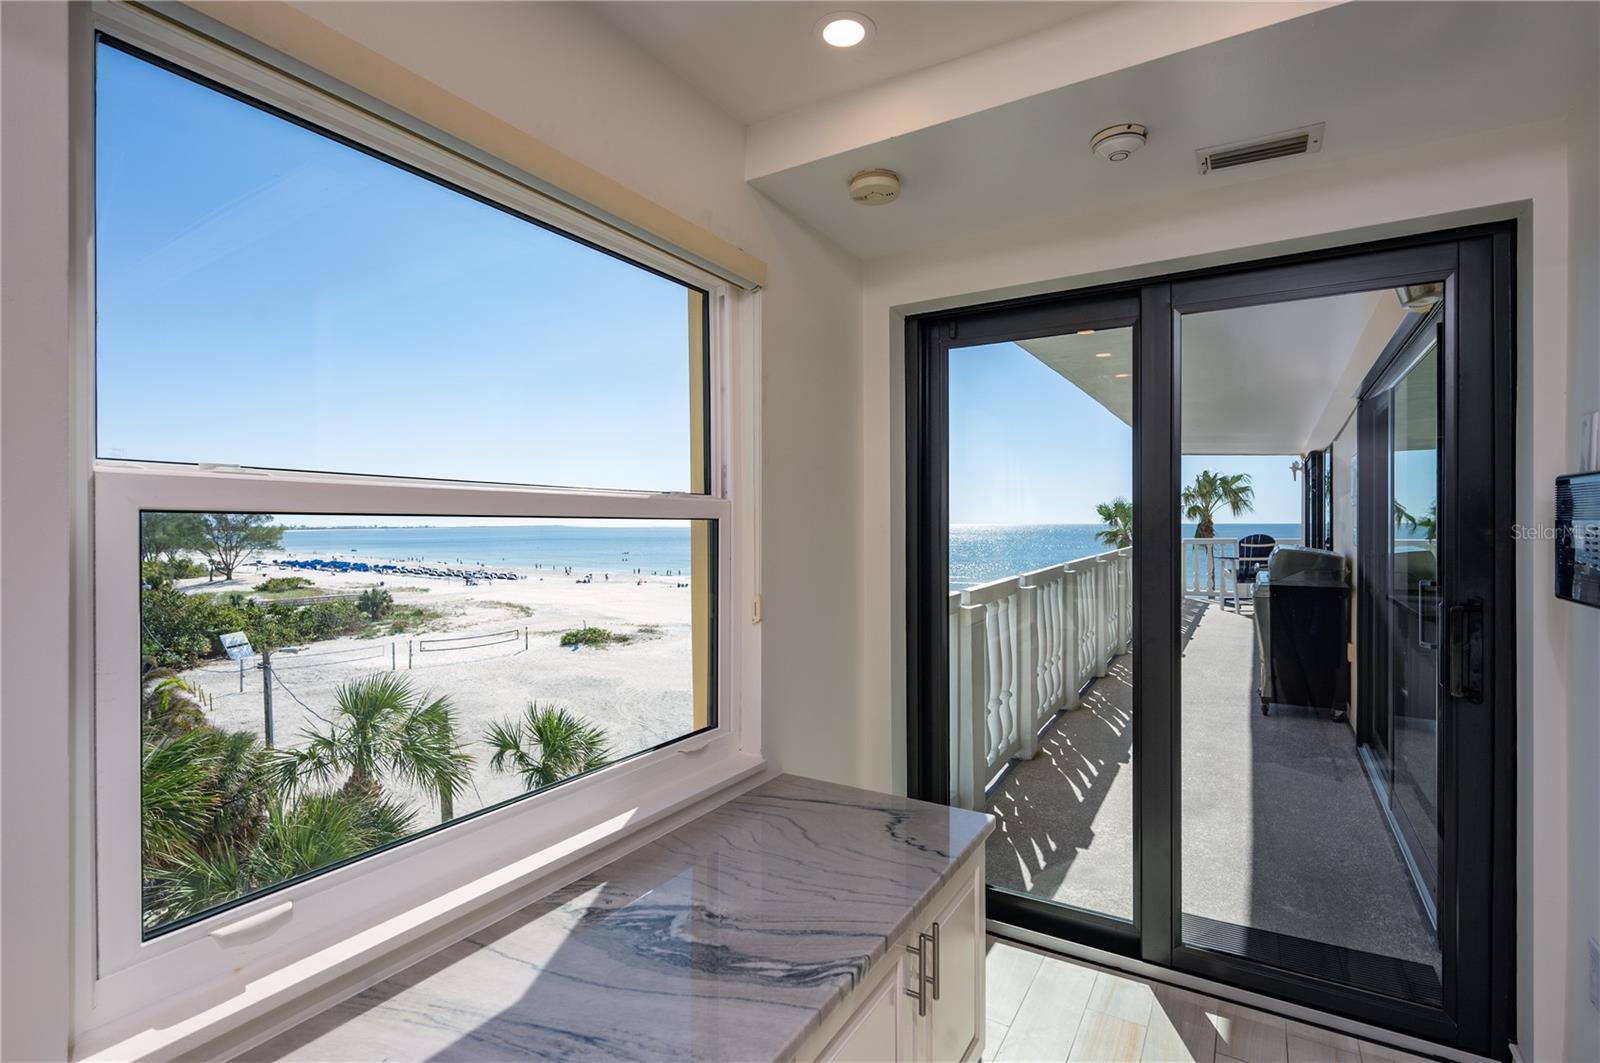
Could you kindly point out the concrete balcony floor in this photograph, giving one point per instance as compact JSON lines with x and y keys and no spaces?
{"x":1281,"y":829}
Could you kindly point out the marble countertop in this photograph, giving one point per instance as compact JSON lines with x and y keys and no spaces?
{"x":728,"y":938}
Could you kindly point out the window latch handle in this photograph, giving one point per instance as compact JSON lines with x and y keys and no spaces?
{"x":253,"y":928}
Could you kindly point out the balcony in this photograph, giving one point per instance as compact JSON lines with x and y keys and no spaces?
{"x":1281,"y":836}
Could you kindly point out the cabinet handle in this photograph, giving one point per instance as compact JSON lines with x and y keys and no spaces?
{"x":936,"y":964}
{"x":920,"y":950}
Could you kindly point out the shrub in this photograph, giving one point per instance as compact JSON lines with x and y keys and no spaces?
{"x":155,"y":572}
{"x":375,"y":603}
{"x":179,"y":629}
{"x":406,"y":618}
{"x":324,"y":620}
{"x":277,"y":584}
{"x":593,"y":636}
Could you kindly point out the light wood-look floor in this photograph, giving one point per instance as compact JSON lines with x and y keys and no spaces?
{"x":1047,"y":1008}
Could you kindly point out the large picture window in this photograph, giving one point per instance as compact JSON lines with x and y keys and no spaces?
{"x":319,"y":687}
{"x":271,"y":296}
{"x":410,"y":526}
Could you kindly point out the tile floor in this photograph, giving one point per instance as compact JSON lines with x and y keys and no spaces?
{"x":1047,"y":1008}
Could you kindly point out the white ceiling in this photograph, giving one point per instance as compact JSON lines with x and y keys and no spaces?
{"x":1256,"y":379}
{"x":1383,"y":76}
{"x":1277,"y":379}
{"x":756,"y":60}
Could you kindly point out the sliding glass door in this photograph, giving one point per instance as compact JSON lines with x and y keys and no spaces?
{"x":1230,"y":722}
{"x":1288,"y":858}
{"x":1038,"y":575}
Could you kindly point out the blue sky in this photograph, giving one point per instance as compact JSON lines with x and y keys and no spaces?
{"x":268,"y":296}
{"x":1027,"y":446}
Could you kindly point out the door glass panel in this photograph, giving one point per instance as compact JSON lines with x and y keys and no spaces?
{"x":1292,"y":852}
{"x":1411,"y":683}
{"x":1041,"y":611}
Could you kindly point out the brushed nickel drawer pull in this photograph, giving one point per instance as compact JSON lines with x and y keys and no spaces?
{"x":926,"y":948}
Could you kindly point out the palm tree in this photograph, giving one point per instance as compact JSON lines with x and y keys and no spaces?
{"x":545,"y":745}
{"x":168,"y":704}
{"x":316,"y":830}
{"x":215,"y":829}
{"x":382,"y":727}
{"x":1118,"y":516}
{"x":1211,"y":492}
{"x":201,"y":788}
{"x":1428,"y":524}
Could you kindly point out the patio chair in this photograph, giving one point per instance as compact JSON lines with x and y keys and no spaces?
{"x":1254,"y":551}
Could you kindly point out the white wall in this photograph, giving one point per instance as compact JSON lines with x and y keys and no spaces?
{"x":33,"y":555}
{"x":561,"y":74}
{"x":1520,"y":173}
{"x":1583,"y":740}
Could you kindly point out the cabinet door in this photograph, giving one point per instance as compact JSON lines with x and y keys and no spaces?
{"x":880,"y":1030}
{"x":954,"y":1023}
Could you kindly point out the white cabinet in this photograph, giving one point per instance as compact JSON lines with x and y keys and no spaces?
{"x":881,"y":1028}
{"x":924,"y":1001}
{"x":952,"y":1029}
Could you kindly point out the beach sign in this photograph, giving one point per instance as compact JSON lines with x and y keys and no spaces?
{"x":237,"y":645}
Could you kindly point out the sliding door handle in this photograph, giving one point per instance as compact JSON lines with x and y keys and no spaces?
{"x":1465,"y":657}
{"x":1427,"y":596}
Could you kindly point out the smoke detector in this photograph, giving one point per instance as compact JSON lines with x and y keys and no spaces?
{"x":873,"y":187}
{"x":1116,"y":142}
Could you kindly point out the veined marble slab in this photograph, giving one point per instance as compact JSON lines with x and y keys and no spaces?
{"x":728,"y":939}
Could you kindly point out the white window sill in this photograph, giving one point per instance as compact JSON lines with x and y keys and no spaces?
{"x":283,"y":997}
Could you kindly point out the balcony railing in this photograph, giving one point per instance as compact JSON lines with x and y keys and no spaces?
{"x":1202,"y":572}
{"x":1023,"y":648}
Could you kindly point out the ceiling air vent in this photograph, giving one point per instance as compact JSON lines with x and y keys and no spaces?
{"x":1303,"y":141}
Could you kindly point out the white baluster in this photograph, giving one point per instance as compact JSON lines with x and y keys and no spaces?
{"x":960,"y":727}
{"x":1027,"y":663}
{"x":1102,"y":615}
{"x":975,"y":735}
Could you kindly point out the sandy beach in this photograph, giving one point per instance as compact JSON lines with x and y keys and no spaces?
{"x":493,"y":648}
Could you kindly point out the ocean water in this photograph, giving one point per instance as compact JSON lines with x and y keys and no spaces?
{"x":584,"y":549}
{"x":983,"y":552}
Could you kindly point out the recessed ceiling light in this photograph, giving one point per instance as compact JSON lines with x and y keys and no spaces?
{"x":1122,"y":376}
{"x":845,"y":29}
{"x":1103,"y":354}
{"x":1086,"y":332}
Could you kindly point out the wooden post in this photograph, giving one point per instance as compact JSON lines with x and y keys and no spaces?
{"x":266,"y":692}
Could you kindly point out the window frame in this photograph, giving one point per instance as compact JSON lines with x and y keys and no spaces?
{"x":351,"y":914}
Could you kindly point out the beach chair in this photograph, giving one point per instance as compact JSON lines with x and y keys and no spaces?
{"x":1254,"y":551}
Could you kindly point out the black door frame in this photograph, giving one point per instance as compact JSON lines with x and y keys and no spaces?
{"x":1477,"y":1013}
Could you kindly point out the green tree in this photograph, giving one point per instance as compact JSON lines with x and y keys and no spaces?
{"x":165,"y":535}
{"x":382,"y":727}
{"x":1212,"y":492}
{"x":1428,"y":524}
{"x":228,"y":540}
{"x":1118,"y":518}
{"x":545,"y":745}
{"x":214,"y":826}
{"x":375,"y":603}
{"x":295,"y":838}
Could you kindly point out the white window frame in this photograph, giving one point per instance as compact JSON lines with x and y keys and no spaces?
{"x":197,"y":981}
